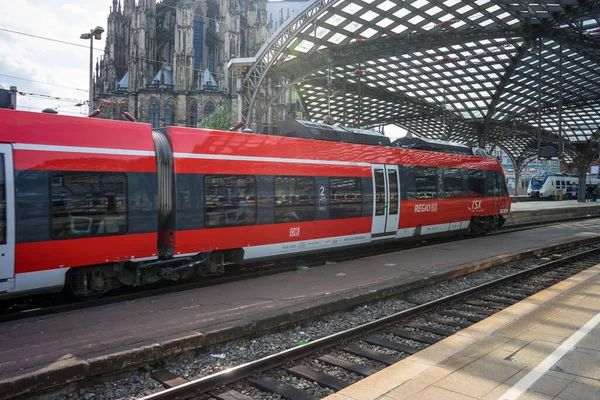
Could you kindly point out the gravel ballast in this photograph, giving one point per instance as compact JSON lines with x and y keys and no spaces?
{"x":206,"y":361}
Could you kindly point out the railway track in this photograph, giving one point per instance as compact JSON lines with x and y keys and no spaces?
{"x":328,"y":364}
{"x":53,"y":304}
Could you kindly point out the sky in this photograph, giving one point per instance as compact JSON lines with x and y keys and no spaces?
{"x":40,"y":68}
{"x":65,"y":67}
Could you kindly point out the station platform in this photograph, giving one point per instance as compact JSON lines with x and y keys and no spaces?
{"x":544,"y":347}
{"x":42,"y":352}
{"x":531,"y":212}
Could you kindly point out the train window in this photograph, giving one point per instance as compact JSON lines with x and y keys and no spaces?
{"x":564,"y":185}
{"x":294,"y":199}
{"x":345,"y":197}
{"x":476,"y":183}
{"x":501,"y":183}
{"x":379,"y":192}
{"x":453,"y":183}
{"x":426,"y":182}
{"x":393,"y":184}
{"x":492,"y":183}
{"x":229,"y":200}
{"x":88,"y":204}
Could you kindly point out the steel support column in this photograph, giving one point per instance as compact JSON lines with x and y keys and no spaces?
{"x":539,"y":116}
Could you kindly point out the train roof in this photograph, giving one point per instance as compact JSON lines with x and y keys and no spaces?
{"x":61,"y":130}
{"x":418,"y":143}
{"x":331,"y":133}
{"x":336,"y":133}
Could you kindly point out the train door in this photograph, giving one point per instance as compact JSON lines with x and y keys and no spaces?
{"x":495,"y":191}
{"x":386,"y":200}
{"x":7,"y":217}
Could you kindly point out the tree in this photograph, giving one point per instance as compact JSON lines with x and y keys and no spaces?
{"x":219,"y":119}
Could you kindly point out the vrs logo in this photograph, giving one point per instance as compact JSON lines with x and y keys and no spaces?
{"x":294,"y":232}
{"x":476,"y":206}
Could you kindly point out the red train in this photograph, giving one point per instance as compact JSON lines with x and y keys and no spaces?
{"x":89,"y":205}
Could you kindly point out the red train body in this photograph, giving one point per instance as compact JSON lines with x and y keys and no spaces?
{"x":94,"y":204}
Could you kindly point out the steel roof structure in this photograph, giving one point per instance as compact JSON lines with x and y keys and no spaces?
{"x":513,"y":73}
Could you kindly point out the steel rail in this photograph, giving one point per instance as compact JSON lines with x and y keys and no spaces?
{"x":207,"y":383}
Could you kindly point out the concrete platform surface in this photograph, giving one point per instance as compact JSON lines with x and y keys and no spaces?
{"x":543,"y":205}
{"x":42,"y":351}
{"x":544,"y":347}
{"x":543,"y":211}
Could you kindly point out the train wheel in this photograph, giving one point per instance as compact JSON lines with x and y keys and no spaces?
{"x":88,"y":283}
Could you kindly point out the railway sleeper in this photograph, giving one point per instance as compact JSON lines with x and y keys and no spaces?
{"x":378,"y":341}
{"x":272,"y":385}
{"x":472,"y":309}
{"x":321,"y":378}
{"x":463,"y":315}
{"x":446,"y":321}
{"x":347,"y":365}
{"x":413,"y":336}
{"x":488,"y":304}
{"x":378,"y":356}
{"x":432,"y":329}
{"x":230,"y":395}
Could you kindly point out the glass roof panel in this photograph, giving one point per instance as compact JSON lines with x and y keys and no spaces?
{"x":352,"y":8}
{"x":369,"y":15}
{"x":386,"y":5}
{"x":436,"y":62}
{"x":353,"y":26}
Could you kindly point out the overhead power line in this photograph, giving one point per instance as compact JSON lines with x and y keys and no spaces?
{"x":44,"y":83}
{"x":49,"y":39}
{"x":47,"y":96}
{"x":60,"y":111}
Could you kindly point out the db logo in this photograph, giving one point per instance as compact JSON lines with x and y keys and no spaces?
{"x":476,"y":206}
{"x":294,"y":232}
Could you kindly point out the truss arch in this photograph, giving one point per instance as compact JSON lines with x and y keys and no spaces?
{"x":441,"y":68}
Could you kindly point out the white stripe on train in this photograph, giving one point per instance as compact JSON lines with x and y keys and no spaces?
{"x":78,"y":149}
{"x":268,"y":159}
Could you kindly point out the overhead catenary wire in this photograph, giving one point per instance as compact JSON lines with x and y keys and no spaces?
{"x":102,"y":50}
{"x":44,"y":83}
{"x":47,"y":38}
{"x":50,"y":97}
{"x":60,"y":111}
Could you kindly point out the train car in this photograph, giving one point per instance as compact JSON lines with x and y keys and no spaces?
{"x":246,"y":197}
{"x":89,"y":205}
{"x":545,"y":185}
{"x":75,"y":193}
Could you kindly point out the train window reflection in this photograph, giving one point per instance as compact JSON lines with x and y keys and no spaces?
{"x":476,"y":183}
{"x":426,"y":182}
{"x":345,"y":198}
{"x":229,"y":200}
{"x":393,"y":184}
{"x":379,"y":192}
{"x":88,"y":204}
{"x":453,"y":183}
{"x":294,"y":199}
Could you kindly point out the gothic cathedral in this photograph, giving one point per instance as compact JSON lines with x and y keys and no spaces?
{"x":166,"y":63}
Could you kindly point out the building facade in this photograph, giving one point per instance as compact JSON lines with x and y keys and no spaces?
{"x":166,"y":63}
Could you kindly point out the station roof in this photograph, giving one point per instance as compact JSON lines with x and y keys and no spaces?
{"x":448,"y":69}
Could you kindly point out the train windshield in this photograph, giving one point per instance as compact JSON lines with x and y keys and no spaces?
{"x":537,"y":181}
